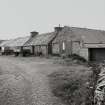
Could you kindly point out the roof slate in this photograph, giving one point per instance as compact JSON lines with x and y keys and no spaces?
{"x":15,"y":42}
{"x":74,"y":33}
{"x":19,"y":41}
{"x":41,"y":39}
{"x":5,"y":43}
{"x":84,"y":34}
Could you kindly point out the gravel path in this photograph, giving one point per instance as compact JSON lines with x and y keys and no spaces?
{"x":24,"y":81}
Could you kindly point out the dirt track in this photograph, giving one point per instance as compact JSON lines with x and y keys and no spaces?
{"x":24,"y":81}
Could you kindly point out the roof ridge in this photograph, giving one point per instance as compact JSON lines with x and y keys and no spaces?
{"x":85,"y":28}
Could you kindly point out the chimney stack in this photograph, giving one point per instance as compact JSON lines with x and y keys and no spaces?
{"x":34,"y":33}
{"x":58,"y":29}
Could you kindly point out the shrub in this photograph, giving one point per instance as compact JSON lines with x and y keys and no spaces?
{"x":77,"y":57}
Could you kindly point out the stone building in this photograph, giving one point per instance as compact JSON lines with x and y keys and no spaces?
{"x":41,"y":44}
{"x":5,"y":48}
{"x":14,"y":45}
{"x":88,"y":43}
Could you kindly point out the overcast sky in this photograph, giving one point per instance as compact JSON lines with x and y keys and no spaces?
{"x":19,"y":17}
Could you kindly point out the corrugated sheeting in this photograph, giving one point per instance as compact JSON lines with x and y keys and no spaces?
{"x":41,"y":39}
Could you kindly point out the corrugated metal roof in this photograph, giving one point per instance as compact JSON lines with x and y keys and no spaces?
{"x":41,"y":39}
{"x":84,"y":34}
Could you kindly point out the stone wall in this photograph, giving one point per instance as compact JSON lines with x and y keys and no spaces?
{"x":55,"y":49}
{"x":80,"y":50}
{"x":84,"y":53}
{"x":76,"y":48}
{"x":40,"y":49}
{"x":44,"y":50}
{"x":72,"y":47}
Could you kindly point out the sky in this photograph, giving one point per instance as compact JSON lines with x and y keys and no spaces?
{"x":19,"y":17}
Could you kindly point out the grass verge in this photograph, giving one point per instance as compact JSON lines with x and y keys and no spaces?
{"x":71,"y":85}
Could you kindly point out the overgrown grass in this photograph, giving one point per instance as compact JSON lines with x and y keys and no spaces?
{"x":77,"y":57}
{"x":71,"y":60}
{"x":71,"y":85}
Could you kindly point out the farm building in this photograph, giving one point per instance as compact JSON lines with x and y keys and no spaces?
{"x":5,"y":48}
{"x":18,"y":44}
{"x":88,"y":43}
{"x":14,"y":45}
{"x":42,"y":43}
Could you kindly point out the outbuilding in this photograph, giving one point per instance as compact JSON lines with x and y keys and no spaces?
{"x":41,"y":43}
{"x":14,"y":46}
{"x":18,"y":44}
{"x":5,"y":48}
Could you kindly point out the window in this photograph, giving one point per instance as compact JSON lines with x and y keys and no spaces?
{"x":63,"y":46}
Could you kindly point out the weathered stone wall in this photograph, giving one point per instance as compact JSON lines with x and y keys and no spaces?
{"x":80,"y":50}
{"x":55,"y":49}
{"x":37,"y":49}
{"x":76,"y":48}
{"x":72,"y":47}
{"x":40,"y":49}
{"x":44,"y":50}
{"x":68,"y":46}
{"x":84,"y":53}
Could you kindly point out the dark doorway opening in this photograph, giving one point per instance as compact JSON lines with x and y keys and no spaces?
{"x":96,"y":54}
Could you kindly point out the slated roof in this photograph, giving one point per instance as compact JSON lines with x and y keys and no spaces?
{"x":19,"y":41}
{"x":41,"y":39}
{"x":5,"y":43}
{"x":87,"y":35}
{"x":15,"y":42}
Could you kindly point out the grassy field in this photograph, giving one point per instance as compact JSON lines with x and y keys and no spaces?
{"x":71,"y":84}
{"x":67,"y":78}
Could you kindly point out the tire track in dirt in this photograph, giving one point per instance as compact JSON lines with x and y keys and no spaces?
{"x":18,"y":76}
{"x":33,"y":83}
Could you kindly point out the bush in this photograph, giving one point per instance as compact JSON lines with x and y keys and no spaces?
{"x":77,"y":57}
